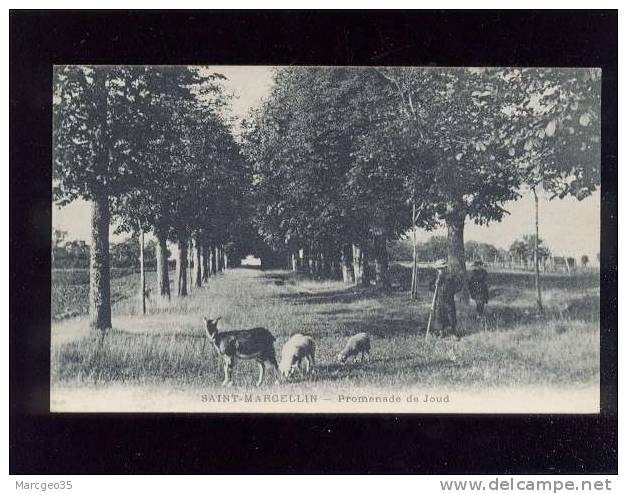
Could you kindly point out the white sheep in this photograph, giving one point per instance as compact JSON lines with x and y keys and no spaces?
{"x":356,"y":344}
{"x":298,"y":349}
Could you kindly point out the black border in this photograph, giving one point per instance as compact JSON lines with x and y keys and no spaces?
{"x":62,"y":444}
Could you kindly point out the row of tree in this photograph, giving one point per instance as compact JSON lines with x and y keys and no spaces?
{"x":346,"y":159}
{"x":331,"y":167}
{"x":151,"y":149}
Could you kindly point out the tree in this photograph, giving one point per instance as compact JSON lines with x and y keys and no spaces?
{"x":493,"y":130}
{"x":480,"y":251}
{"x":125,"y":254}
{"x":519,"y":249}
{"x":71,"y":254}
{"x":164,"y":96}
{"x":210,"y":207}
{"x":435,"y":248}
{"x":393,"y":169}
{"x":554,"y":137}
{"x":523,"y":249}
{"x":401,"y":250}
{"x":179,"y":116}
{"x":93,"y":158}
{"x":503,"y":256}
{"x":457,"y":114}
{"x":331,"y":169}
{"x":58,"y":238}
{"x":585,"y":260}
{"x":299,"y":150}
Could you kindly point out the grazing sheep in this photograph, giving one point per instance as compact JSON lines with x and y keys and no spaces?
{"x":298,"y":349}
{"x":359,"y":343}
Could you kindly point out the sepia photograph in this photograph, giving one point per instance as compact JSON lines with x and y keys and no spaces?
{"x":325,"y":239}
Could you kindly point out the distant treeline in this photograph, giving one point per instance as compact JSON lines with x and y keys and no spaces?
{"x":75,"y":254}
{"x":436,"y":248}
{"x":519,"y":255}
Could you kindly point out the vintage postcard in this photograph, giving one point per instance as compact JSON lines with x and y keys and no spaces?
{"x":255,"y":239}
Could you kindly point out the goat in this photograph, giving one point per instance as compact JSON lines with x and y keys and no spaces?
{"x":246,"y":344}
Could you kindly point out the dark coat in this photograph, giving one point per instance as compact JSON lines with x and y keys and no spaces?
{"x":478,"y":285}
{"x":445,"y":310}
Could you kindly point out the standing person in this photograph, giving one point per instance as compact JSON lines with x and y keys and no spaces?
{"x":444,"y":311}
{"x":478,"y":286}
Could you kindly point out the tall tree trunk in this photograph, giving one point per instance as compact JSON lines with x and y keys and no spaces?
{"x":319,"y":265}
{"x":337,"y":271}
{"x":205,"y":263}
{"x":311,"y":268}
{"x":226,"y":258}
{"x":358,"y":265}
{"x":455,"y":249}
{"x":212,"y":260}
{"x":345,"y":260}
{"x":382,"y":276}
{"x":365,"y":266}
{"x":198,"y":266}
{"x":304,"y":263}
{"x":181,"y":268}
{"x":294,"y":262}
{"x":163,"y":277}
{"x":332,"y":264}
{"x":325,"y":267}
{"x":190,"y":262}
{"x":142,"y":272}
{"x":536,"y":256}
{"x":315,"y":264}
{"x":217,"y":257}
{"x":300,"y":259}
{"x":414,"y":267}
{"x":99,"y":265}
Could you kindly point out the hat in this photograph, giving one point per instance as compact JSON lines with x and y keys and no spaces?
{"x":440,"y":264}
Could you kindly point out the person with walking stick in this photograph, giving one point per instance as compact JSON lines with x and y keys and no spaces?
{"x":478,"y":286}
{"x":443,"y":313}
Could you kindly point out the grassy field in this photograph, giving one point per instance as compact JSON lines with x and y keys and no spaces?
{"x":70,"y":289}
{"x":513,"y":348}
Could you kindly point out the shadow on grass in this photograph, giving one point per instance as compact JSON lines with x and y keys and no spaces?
{"x":277,"y":280}
{"x":504,"y":317}
{"x":384,"y":327}
{"x":344,"y":296}
{"x":280,"y":276}
{"x":379,"y":367}
{"x":497,"y":318}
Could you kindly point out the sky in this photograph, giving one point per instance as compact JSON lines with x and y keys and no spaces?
{"x":568,"y":226}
